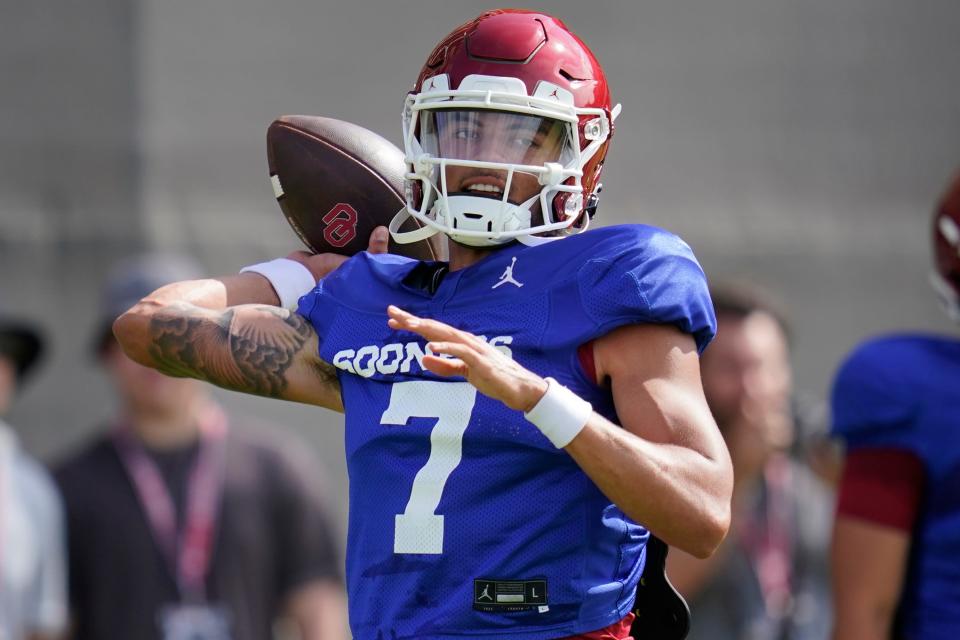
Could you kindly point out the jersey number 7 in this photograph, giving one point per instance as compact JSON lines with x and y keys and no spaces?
{"x":419,"y":529}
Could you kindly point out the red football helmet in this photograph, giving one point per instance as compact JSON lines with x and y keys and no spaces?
{"x":946,"y":249}
{"x":510,"y":98}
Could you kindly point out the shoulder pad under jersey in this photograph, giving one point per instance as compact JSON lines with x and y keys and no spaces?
{"x":642,"y":274}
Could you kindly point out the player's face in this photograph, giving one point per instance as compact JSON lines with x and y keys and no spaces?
{"x":499,"y":137}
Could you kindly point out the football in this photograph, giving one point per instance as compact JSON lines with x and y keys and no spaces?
{"x":336,"y":181}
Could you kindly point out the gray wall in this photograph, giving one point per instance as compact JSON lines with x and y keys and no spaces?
{"x":797,"y":143}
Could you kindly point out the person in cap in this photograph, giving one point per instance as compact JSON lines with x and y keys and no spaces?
{"x":183,"y":523}
{"x":32,"y":578}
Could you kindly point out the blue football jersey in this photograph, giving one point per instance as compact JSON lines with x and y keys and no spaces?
{"x":464,"y":519}
{"x":904,"y":392}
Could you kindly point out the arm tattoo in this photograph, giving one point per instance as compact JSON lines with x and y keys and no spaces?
{"x":247,"y":349}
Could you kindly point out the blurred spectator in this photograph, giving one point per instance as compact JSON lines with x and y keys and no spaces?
{"x":768,"y":580}
{"x":32,"y":580}
{"x":896,"y":404}
{"x":182,"y":524}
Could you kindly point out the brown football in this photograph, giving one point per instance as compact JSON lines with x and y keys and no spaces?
{"x":336,"y":181}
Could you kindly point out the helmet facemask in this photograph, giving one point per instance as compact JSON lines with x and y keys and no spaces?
{"x":490,"y":164}
{"x":945,"y":278}
{"x":947,"y":294}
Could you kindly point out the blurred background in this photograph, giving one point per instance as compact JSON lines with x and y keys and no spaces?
{"x":796,"y":144}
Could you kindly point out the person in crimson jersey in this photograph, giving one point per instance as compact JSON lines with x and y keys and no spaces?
{"x":184,"y":523}
{"x":896,"y":404}
{"x":520,"y":419}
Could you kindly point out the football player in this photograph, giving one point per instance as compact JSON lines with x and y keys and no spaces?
{"x":518,"y":420}
{"x":896,"y":540}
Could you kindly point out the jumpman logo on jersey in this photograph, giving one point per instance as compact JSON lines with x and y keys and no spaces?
{"x":508,"y":275}
{"x":485,"y":593}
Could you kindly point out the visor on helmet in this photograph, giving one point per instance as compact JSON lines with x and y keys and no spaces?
{"x":495,"y":136}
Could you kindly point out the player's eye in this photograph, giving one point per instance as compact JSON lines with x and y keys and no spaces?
{"x":525,"y":140}
{"x":466,"y":133}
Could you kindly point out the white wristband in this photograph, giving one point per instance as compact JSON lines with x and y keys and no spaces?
{"x":290,"y":279}
{"x":560,"y":415}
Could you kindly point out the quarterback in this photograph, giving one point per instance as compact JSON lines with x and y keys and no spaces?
{"x":520,"y":419}
{"x":896,"y":540}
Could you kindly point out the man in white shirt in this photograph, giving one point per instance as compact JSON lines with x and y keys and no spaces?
{"x":32,"y":541}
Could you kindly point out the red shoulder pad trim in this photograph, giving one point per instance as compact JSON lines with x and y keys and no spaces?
{"x":587,"y":363}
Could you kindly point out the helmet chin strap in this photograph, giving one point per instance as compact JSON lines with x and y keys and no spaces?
{"x":409,"y":237}
{"x":948,"y":296}
{"x":482,"y":215}
{"x":517,"y":220}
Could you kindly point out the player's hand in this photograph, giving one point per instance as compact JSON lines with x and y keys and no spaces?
{"x":322,"y":264}
{"x":492,"y":372}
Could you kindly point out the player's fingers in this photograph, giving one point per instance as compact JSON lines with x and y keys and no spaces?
{"x":429,"y":329}
{"x":401,"y":320}
{"x":440,"y":331}
{"x":455,"y":349}
{"x":398,"y":314}
{"x":445,"y":366}
{"x":378,"y":240}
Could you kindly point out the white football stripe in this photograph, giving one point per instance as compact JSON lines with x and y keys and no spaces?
{"x":277,"y":188}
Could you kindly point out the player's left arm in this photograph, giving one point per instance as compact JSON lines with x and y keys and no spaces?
{"x":665,"y":466}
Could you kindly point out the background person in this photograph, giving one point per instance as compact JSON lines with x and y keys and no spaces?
{"x":185,"y":524}
{"x":768,"y":579}
{"x":32,"y":555}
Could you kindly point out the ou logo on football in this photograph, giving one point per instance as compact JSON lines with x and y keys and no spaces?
{"x":341,"y":223}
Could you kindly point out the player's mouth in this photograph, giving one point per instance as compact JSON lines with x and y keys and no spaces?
{"x":483,"y":186}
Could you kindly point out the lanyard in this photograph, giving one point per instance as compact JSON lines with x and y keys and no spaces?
{"x":768,"y":540}
{"x":187,"y":549}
